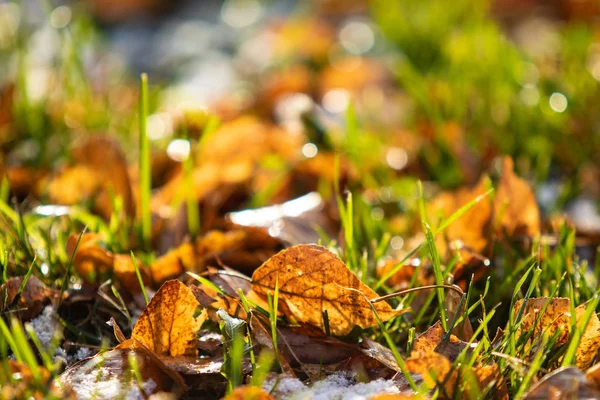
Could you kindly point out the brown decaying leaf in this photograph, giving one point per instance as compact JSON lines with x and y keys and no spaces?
{"x":312,"y":280}
{"x":470,"y":228}
{"x":92,"y":262}
{"x":34,"y":297}
{"x":432,"y":358}
{"x":100,"y":169}
{"x":248,"y":393}
{"x":557,"y":318}
{"x":564,"y":383}
{"x":124,"y":271}
{"x":112,"y":369}
{"x":515,"y":208}
{"x":167,"y":325}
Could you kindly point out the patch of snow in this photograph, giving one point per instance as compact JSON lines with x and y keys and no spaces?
{"x":83,"y":352}
{"x":45,"y":324}
{"x":339,"y":386}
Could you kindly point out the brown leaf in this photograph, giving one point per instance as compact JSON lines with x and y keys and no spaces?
{"x":100,"y":171}
{"x":471,"y":228}
{"x":248,"y":393}
{"x":564,"y":383}
{"x":110,"y":374}
{"x":590,"y":340}
{"x":557,"y":318}
{"x":435,"y":369}
{"x":34,"y":297}
{"x":515,"y":208}
{"x":172,"y":264}
{"x":312,"y":280}
{"x":167,"y":325}
{"x":92,"y":262}
{"x":427,"y":341}
{"x":125,"y":273}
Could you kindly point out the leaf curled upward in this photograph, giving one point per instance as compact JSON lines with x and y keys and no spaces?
{"x":167,"y":325}
{"x":312,"y":280}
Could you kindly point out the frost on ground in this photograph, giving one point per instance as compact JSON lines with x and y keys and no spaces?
{"x":44,"y":325}
{"x":339,"y":386}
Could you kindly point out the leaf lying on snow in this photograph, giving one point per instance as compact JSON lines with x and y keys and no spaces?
{"x":112,"y":374}
{"x":556,"y":319}
{"x":312,"y":280}
{"x":168,"y":324}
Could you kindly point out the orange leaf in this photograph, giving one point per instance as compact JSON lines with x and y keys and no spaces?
{"x":248,"y":393}
{"x":167,"y":325}
{"x":313,"y":280}
{"x":515,"y":208}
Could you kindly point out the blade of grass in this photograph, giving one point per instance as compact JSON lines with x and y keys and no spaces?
{"x":145,"y":177}
{"x":139,"y":277}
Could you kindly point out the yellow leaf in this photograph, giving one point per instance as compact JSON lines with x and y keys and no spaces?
{"x":313,"y":280}
{"x":167,"y":325}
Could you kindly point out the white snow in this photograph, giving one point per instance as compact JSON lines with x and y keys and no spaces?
{"x":44,"y":325}
{"x":339,"y":386}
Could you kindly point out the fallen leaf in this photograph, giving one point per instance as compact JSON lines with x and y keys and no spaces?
{"x":172,"y":264}
{"x":435,"y":369}
{"x":125,"y":273}
{"x":590,"y":340}
{"x":167,"y":325}
{"x":34,"y":297}
{"x":100,"y":173}
{"x":426,"y":342}
{"x":564,"y":383}
{"x":91,"y":261}
{"x":557,"y":318}
{"x":312,"y":280}
{"x":110,"y":374}
{"x":471,"y":228}
{"x":248,"y":393}
{"x":515,"y":207}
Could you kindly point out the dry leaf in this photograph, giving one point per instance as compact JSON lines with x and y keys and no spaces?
{"x":125,"y":273}
{"x":167,"y":325}
{"x":590,"y":340}
{"x":92,"y":262}
{"x":557,"y":318}
{"x":312,"y":280}
{"x":110,"y":374}
{"x":34,"y":297}
{"x":100,"y":171}
{"x":426,"y":342}
{"x":248,"y":393}
{"x":434,"y":368}
{"x":564,"y":383}
{"x":515,"y":208}
{"x":172,"y":264}
{"x":471,"y":228}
